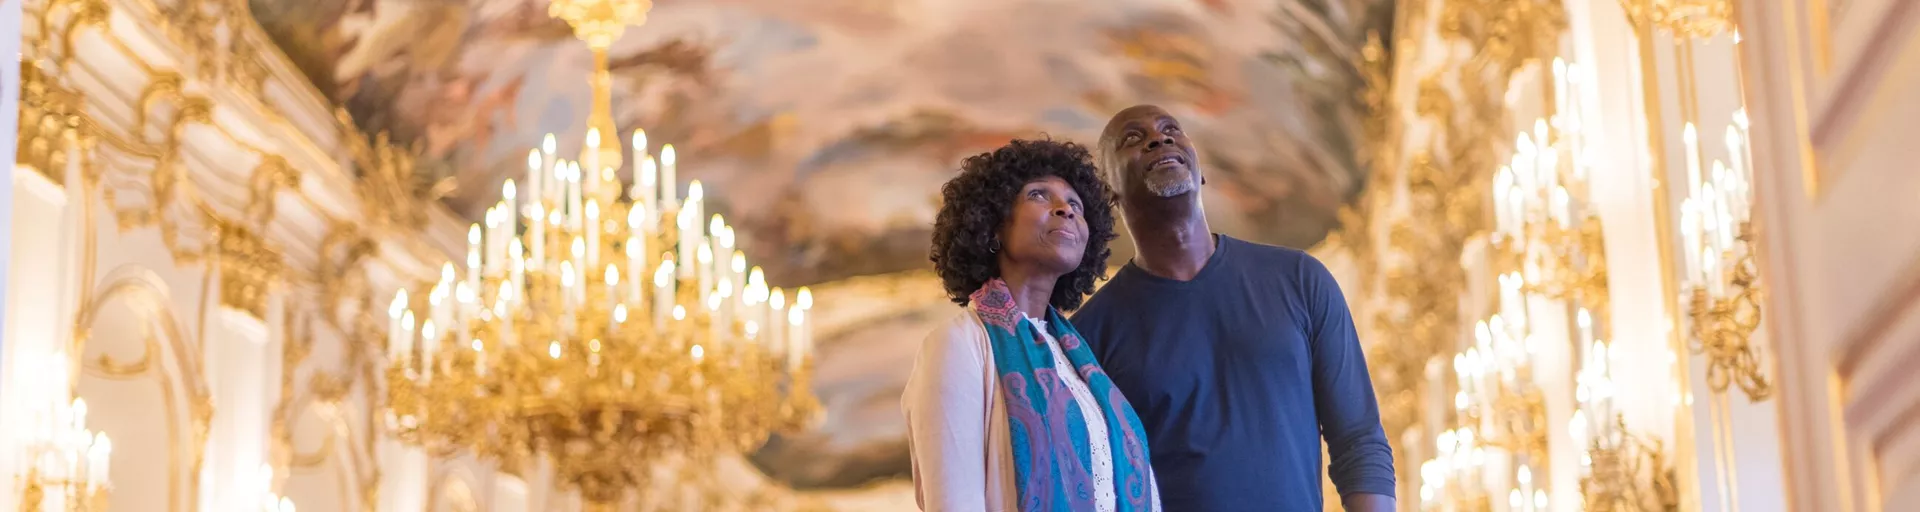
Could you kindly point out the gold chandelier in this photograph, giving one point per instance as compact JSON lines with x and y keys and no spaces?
{"x":66,"y":464}
{"x":610,"y":336}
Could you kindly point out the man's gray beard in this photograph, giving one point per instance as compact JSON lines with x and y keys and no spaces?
{"x":1170,"y":183}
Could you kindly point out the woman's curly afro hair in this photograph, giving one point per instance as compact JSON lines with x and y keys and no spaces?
{"x":975,"y":204}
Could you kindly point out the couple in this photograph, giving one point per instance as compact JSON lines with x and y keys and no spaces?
{"x":1230,"y":359}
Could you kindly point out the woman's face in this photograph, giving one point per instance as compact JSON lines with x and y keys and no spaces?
{"x":1046,"y":229}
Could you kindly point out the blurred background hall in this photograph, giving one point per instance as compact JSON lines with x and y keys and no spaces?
{"x":1615,"y":255}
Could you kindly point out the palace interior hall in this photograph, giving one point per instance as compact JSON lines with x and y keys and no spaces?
{"x":674,"y":255}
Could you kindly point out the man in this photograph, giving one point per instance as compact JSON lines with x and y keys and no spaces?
{"x":1237,"y":356}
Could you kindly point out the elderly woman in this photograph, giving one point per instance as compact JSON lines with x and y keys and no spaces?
{"x":1007,"y":410}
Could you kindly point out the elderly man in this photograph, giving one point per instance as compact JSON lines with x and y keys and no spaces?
{"x":1238,"y":356}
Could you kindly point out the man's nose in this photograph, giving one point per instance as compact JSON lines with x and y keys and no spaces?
{"x":1156,"y":143}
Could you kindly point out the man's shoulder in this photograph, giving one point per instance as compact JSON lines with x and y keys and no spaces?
{"x":1267,"y":256}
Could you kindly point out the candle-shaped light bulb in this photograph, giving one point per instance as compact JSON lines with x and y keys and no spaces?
{"x":649,"y":175}
{"x":406,"y":322}
{"x":593,"y":138}
{"x":473,"y":234}
{"x":507,"y":191}
{"x":639,"y":141}
{"x":637,"y":216}
{"x":778,"y":299}
{"x":579,"y":249}
{"x":666,"y":156}
{"x":548,"y":144}
{"x":553,"y":349}
{"x":426,"y":331}
{"x":79,"y":410}
{"x":740,"y":265}
{"x":620,"y":313}
{"x":1583,"y":319}
{"x":399,"y":304}
{"x":679,"y":312}
{"x":533,"y":160}
{"x":669,"y":184}
{"x":613,"y":276}
{"x":717,"y":226}
{"x":566,"y":273}
{"x":804,"y":300}
{"x":664,"y":275}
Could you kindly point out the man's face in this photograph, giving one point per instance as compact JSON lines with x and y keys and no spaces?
{"x":1152,"y":153}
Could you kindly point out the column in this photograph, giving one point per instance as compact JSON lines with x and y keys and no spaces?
{"x":403,"y":477}
{"x":237,"y":442}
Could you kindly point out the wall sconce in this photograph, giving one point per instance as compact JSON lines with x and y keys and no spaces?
{"x":1723,"y":285}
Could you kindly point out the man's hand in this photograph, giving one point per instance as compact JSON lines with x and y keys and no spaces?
{"x":1360,"y":502}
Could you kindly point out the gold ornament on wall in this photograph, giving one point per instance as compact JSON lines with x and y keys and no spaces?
{"x":49,"y":124}
{"x":249,"y":265}
{"x":1697,"y":19}
{"x":1723,"y":286}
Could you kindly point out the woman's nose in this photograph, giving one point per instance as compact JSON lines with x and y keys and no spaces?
{"x":1063,"y":211}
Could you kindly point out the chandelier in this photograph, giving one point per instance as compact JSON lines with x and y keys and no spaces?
{"x":66,"y":464}
{"x":608,"y":334}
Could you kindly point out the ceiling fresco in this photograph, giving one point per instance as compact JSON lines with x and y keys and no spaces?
{"x":824,"y":128}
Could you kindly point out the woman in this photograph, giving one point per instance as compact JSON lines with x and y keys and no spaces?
{"x":1007,"y":410}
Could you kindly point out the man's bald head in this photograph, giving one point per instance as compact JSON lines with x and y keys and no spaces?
{"x":1106,"y":152}
{"x":1145,"y":153}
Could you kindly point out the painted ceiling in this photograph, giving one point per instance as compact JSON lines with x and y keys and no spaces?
{"x":824,"y":128}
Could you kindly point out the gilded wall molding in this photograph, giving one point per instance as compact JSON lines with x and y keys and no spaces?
{"x":1412,"y":307}
{"x":249,"y":266}
{"x":146,"y":173}
{"x":49,"y":124}
{"x":143,"y":288}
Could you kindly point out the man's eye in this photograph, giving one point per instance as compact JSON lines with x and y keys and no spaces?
{"x":1131,"y":140}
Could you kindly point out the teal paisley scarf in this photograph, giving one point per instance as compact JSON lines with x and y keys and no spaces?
{"x":1052,"y":459}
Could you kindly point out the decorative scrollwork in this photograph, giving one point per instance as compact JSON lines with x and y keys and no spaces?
{"x":1629,"y":473}
{"x":1723,"y":328}
{"x":1697,"y":19}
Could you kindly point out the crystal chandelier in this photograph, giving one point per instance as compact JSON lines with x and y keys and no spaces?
{"x":608,"y":335}
{"x":66,"y":464}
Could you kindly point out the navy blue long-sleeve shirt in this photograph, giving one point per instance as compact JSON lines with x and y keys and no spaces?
{"x":1236,"y":375}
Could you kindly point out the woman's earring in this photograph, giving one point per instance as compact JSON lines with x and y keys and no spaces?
{"x":995,"y":249}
